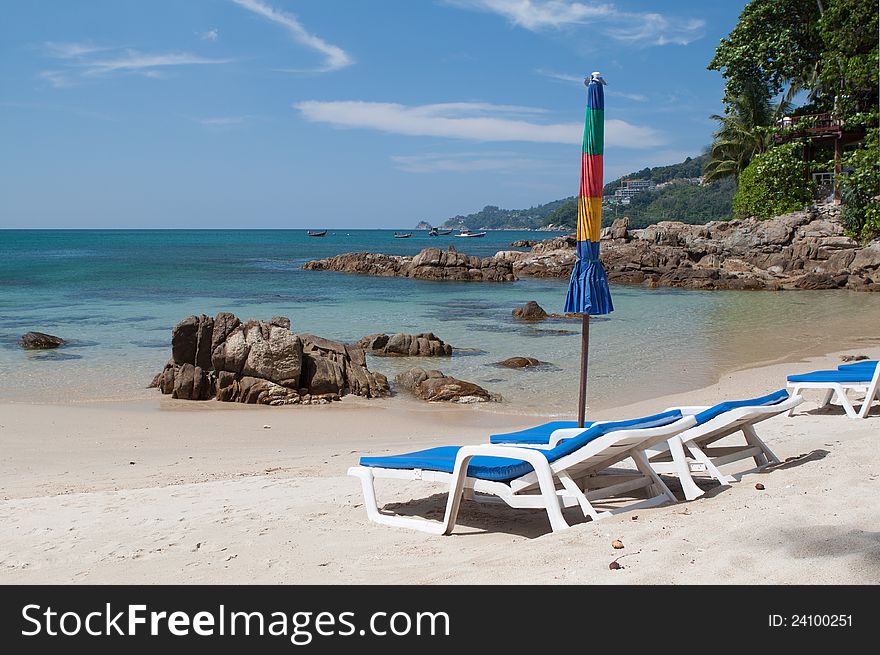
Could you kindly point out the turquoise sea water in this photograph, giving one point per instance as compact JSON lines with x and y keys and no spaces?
{"x":116,"y":294}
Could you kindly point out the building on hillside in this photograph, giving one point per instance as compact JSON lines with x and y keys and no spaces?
{"x":629,"y":188}
{"x":816,"y":131}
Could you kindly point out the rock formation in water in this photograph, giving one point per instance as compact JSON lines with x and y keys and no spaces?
{"x":425,"y":344}
{"x":531,"y":311}
{"x":40,"y":341}
{"x":433,"y":386}
{"x":801,"y":250}
{"x":519,"y":362}
{"x":429,"y":264}
{"x":260,"y":362}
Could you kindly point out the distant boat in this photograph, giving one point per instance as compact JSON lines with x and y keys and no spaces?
{"x":467,"y":233}
{"x":406,"y":235}
{"x":312,"y":233}
{"x":439,"y":233}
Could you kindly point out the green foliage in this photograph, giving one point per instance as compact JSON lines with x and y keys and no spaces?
{"x":776,"y":43}
{"x":566,"y":214}
{"x":495,"y":218}
{"x":742,"y":133}
{"x":690,"y":167}
{"x":848,"y":63}
{"x":680,"y":201}
{"x":689,"y":203}
{"x":773,"y":183}
{"x":861,"y":189}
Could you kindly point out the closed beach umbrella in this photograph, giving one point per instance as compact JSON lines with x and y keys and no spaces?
{"x":588,"y":292}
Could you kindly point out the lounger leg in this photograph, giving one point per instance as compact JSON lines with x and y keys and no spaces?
{"x":644,"y":466}
{"x":688,"y":486}
{"x":586,"y":507}
{"x":826,"y":398}
{"x":373,"y":513}
{"x":766,"y":455}
{"x":867,"y":402}
{"x":698,"y":454}
{"x":794,"y":391}
{"x":845,"y":401}
{"x":539,"y":464}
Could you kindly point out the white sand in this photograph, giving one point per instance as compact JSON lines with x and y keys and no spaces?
{"x":168,"y":492}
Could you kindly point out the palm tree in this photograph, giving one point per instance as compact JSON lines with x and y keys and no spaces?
{"x":742,"y":133}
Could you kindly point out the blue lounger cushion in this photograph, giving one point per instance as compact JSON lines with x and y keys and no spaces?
{"x":541,"y":434}
{"x":496,"y":469}
{"x":866,"y":364}
{"x":716,"y":410}
{"x":847,"y":375}
{"x":536,"y":435}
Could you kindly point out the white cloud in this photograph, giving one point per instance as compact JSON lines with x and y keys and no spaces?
{"x":222,"y":121}
{"x":635,"y":97}
{"x":469,"y":162}
{"x":334,"y":56}
{"x":470,"y":121}
{"x":579,"y":79}
{"x":656,"y":29}
{"x":133,"y":61}
{"x":85,"y":60}
{"x":57,"y":79}
{"x":210,"y":35}
{"x":66,"y":50}
{"x":638,"y":29}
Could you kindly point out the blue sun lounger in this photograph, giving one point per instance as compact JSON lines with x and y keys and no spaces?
{"x":526,"y":477}
{"x":691,"y":451}
{"x":859,"y":377}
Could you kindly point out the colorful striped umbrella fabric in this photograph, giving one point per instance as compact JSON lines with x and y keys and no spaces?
{"x":588,"y":291}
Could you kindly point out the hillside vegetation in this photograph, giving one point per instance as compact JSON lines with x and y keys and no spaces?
{"x":678,"y":201}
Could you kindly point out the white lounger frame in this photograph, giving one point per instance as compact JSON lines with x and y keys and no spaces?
{"x":691,"y":452}
{"x":870,"y":389}
{"x":579,"y":476}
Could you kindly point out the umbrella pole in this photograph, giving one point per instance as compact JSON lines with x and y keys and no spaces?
{"x":585,"y":348}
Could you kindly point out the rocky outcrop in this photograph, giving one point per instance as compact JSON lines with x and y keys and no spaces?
{"x":425,"y":344}
{"x":801,"y":250}
{"x":259,"y":362}
{"x":519,"y":362}
{"x":531,"y":311}
{"x":40,"y":341}
{"x":429,"y":264}
{"x":524,"y":243}
{"x":433,"y":386}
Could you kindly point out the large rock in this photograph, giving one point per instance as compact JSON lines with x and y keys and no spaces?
{"x":40,"y":341}
{"x":429,"y":264}
{"x":424,"y":344}
{"x":519,"y":362}
{"x":433,"y":386}
{"x":261,"y":362}
{"x":184,"y":340}
{"x":204,"y":335}
{"x":531,"y":311}
{"x":803,"y":249}
{"x":276,"y":356}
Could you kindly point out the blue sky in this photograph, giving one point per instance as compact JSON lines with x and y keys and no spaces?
{"x":336,"y":113}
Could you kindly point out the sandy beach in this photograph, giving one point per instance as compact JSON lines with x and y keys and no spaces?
{"x":165,"y":491}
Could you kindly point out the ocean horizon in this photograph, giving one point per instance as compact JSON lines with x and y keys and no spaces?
{"x":114,"y":295}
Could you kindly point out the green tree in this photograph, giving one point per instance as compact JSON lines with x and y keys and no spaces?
{"x":775,"y":44}
{"x":848,"y":63}
{"x":861,"y":189}
{"x":773,"y":183}
{"x":742,"y":133}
